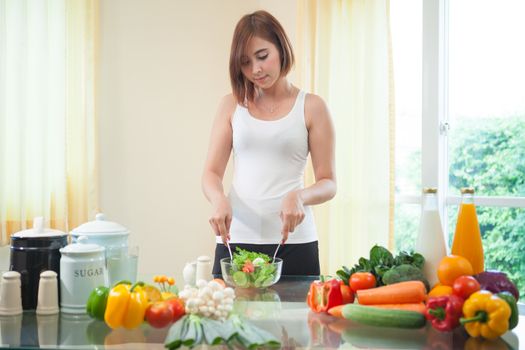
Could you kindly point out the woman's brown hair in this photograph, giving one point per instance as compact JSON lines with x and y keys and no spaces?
{"x":265,"y":26}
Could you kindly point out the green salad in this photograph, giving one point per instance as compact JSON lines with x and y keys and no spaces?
{"x":251,"y":269}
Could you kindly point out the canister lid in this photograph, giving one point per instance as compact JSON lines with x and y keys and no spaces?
{"x":82,"y":247}
{"x":100,"y":226}
{"x":39,"y":230}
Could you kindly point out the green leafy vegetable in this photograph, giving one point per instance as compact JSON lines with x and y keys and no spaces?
{"x":380,"y":262}
{"x":251,"y":337}
{"x":193,"y":330}
{"x":405,"y":272}
{"x":259,"y":273}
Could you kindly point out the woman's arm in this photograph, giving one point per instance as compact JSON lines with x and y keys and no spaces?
{"x":321,"y":140}
{"x":219,"y":151}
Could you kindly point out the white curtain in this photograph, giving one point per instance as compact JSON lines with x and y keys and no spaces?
{"x":344,"y":56}
{"x":47,"y":119}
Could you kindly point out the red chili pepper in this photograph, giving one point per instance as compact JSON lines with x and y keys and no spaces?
{"x":444,"y":312}
{"x":324,"y":295}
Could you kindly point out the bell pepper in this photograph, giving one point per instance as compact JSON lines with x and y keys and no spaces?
{"x":486,"y":315}
{"x":96,"y":331}
{"x":514,"y":312}
{"x":324,"y":295}
{"x":444,"y":312}
{"x":321,"y":335}
{"x":96,"y":304}
{"x":126,"y":306}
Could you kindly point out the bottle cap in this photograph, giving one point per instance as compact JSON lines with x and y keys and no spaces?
{"x":467,"y":190}
{"x":430,"y":190}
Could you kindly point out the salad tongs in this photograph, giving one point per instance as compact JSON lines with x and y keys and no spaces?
{"x":275,"y":254}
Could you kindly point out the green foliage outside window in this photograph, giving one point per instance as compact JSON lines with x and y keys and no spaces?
{"x":488,"y":155}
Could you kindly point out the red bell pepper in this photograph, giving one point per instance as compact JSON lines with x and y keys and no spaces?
{"x":444,"y":312}
{"x":324,"y":295}
{"x":321,"y":335}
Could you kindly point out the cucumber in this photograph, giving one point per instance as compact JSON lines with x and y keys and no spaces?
{"x":368,"y":337}
{"x":375,"y":316}
{"x":240,"y":279}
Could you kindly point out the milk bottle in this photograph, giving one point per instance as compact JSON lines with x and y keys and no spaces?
{"x":431,"y":240}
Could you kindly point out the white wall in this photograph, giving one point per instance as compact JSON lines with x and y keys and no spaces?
{"x":163,"y":67}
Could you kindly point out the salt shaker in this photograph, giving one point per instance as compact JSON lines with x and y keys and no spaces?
{"x":47,"y":294}
{"x":10,"y":294}
{"x":203,"y":268}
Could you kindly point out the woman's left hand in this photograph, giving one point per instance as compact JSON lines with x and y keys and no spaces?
{"x":292,"y":213}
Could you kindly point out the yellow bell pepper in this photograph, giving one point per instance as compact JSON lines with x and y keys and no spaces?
{"x":485,"y":315}
{"x":126,"y":305}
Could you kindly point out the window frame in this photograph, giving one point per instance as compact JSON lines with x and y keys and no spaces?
{"x":435,"y":126}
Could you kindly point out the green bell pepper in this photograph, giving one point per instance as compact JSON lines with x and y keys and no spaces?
{"x":514,"y":316}
{"x":96,"y":304}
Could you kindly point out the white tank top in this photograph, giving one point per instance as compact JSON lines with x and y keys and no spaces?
{"x":269,"y":162}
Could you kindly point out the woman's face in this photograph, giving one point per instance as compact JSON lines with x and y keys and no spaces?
{"x":261,"y":63}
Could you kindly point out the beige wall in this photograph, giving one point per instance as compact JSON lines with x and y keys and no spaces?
{"x":163,"y":67}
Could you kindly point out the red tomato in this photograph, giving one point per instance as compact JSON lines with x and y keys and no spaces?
{"x":362,"y":280}
{"x":347,"y":293}
{"x":464,"y":286}
{"x":159,"y":314}
{"x":177,"y":307}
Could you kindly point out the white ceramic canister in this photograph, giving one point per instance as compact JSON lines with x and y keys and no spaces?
{"x":82,"y":268}
{"x":108,"y":234}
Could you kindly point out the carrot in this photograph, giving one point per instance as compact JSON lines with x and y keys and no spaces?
{"x":397,"y":293}
{"x":336,"y":311}
{"x":418,"y":307}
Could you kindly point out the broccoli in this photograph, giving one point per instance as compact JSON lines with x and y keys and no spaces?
{"x":405,"y":272}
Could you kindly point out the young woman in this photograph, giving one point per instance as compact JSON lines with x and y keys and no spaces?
{"x":271,"y":126}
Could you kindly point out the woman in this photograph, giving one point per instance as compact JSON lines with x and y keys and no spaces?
{"x":271,"y":126}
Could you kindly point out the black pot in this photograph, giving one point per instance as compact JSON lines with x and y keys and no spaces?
{"x":32,"y":252}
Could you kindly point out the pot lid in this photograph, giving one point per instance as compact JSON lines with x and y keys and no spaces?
{"x":82,"y":247}
{"x":100,"y":226}
{"x":39,"y":230}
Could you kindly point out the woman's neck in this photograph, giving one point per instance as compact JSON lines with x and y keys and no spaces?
{"x":281,"y":88}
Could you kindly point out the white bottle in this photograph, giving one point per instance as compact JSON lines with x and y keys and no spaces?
{"x":203,"y":271}
{"x":431,"y":240}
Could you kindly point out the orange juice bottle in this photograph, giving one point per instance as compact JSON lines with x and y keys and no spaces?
{"x":467,"y":238}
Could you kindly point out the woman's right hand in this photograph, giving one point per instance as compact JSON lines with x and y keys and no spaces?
{"x":221,"y":219}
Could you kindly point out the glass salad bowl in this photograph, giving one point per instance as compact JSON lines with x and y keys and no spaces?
{"x":258,"y":275}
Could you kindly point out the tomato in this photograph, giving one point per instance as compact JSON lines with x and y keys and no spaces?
{"x":177,"y":307}
{"x":362,"y":280}
{"x":159,"y":314}
{"x":464,"y":286}
{"x":347,"y":293}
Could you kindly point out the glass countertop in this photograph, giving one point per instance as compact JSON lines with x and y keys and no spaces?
{"x":280,"y":309}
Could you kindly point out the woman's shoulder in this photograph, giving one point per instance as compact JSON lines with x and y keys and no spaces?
{"x":314,"y":102}
{"x":315,"y":108}
{"x":229,"y":101}
{"x":227,"y":106}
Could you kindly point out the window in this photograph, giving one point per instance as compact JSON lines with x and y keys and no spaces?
{"x":472,"y":120}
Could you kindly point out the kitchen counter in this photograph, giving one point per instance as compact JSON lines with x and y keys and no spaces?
{"x":280,"y":309}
